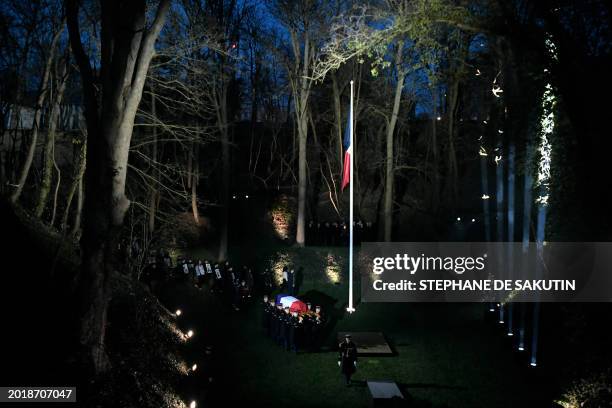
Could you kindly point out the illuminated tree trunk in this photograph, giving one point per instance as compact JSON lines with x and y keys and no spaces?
{"x":194,"y":185}
{"x":79,"y":170}
{"x":527,"y":205}
{"x":390,"y":158}
{"x":453,"y":96}
{"x":49,"y":159}
{"x":42,"y":95}
{"x":126,"y":49}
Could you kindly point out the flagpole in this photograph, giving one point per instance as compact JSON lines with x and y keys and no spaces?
{"x":350,"y":307}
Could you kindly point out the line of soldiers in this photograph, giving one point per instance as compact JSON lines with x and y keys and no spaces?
{"x":223,"y":279}
{"x":291,"y":330}
{"x":331,"y":233}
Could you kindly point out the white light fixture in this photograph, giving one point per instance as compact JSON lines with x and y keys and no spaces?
{"x":485,"y":197}
{"x":473,"y":219}
{"x":194,"y":367}
{"x":178,"y":312}
{"x":458,"y":218}
{"x":193,"y":404}
{"x":190,"y":334}
{"x":533,"y":364}
{"x":501,"y":322}
{"x":510,"y":334}
{"x":521,"y":348}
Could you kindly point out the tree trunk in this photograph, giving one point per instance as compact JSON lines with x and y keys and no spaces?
{"x":302,"y":86}
{"x":57,"y":186}
{"x":127,"y":47}
{"x":302,"y":180}
{"x":225,"y":191}
{"x":42,"y":94}
{"x":389,"y":160}
{"x":76,"y":226}
{"x":194,"y":185}
{"x":49,"y":159}
{"x":453,"y":96}
{"x":79,"y":170}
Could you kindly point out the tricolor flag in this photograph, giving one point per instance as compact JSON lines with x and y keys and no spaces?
{"x":348,"y":151}
{"x":294,"y":304}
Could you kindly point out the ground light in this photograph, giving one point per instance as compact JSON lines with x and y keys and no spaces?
{"x":178,"y":312}
{"x":194,"y":367}
{"x":193,"y":404}
{"x":190,"y":334}
{"x":521,"y":348}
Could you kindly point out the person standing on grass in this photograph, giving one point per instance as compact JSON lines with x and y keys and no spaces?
{"x":291,"y":281}
{"x":285,"y":281}
{"x":347,"y":358}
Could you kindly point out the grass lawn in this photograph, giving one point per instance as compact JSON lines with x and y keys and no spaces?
{"x":446,"y":354}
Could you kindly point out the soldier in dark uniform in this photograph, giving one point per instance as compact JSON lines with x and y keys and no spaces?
{"x":292,"y":323}
{"x":218,"y":282}
{"x":278,"y":320}
{"x":271,"y":309}
{"x":273,"y":321}
{"x":317,"y":323}
{"x":286,"y":319}
{"x":266,"y":314}
{"x":268,"y":281}
{"x":347,"y":358}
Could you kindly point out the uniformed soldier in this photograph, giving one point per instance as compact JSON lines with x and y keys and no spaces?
{"x":293,"y":324}
{"x":267,"y":280}
{"x":347,"y":358}
{"x":280,"y":326}
{"x":317,"y":325}
{"x":218,"y":285}
{"x":266,"y":314}
{"x":285,"y":281}
{"x":200,"y":273}
{"x":291,"y":282}
{"x":286,"y":328}
{"x":185,"y":268}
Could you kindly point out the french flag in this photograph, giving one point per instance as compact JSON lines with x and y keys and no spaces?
{"x":348,"y":151}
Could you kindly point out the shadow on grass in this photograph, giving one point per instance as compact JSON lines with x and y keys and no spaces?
{"x":330,"y":312}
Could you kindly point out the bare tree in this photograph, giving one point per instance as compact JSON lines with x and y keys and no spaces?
{"x":305,"y":20}
{"x":38,"y":109}
{"x":61,"y":78}
{"x":127,"y":46}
